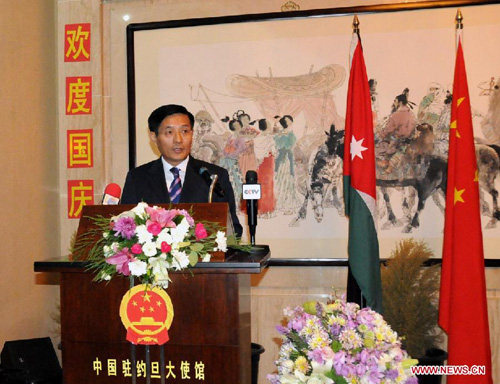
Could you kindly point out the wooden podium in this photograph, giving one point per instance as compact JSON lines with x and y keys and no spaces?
{"x":209,"y":337}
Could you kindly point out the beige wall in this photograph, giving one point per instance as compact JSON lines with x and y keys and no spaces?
{"x":29,"y":161}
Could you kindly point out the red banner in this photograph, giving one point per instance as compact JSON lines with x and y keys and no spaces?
{"x":77,"y":42}
{"x":79,"y":95}
{"x":80,"y":152}
{"x":80,"y":193}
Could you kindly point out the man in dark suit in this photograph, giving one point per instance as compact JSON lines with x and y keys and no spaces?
{"x":175,"y":176}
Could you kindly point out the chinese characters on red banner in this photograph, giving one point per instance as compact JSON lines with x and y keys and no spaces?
{"x":79,"y":95}
{"x":80,"y":193}
{"x":77,"y":42}
{"x":80,"y":148}
{"x":79,"y":143}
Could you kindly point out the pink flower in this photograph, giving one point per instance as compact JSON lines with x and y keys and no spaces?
{"x":200,"y":231}
{"x":188,"y":217}
{"x":153,"y":227}
{"x":121,"y":260}
{"x":136,"y":249}
{"x":162,"y":216}
{"x":165,"y":247}
{"x":125,"y":226}
{"x":327,"y":353}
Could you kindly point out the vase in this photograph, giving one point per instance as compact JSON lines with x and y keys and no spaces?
{"x":433,"y":356}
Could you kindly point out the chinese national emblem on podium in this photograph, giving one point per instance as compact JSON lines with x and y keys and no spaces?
{"x":147,"y":314}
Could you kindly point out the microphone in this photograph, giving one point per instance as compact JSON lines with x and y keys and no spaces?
{"x":209,"y":178}
{"x":112,"y":194}
{"x":252,"y":194}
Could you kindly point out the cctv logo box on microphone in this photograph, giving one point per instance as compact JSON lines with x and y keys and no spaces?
{"x":251,"y":191}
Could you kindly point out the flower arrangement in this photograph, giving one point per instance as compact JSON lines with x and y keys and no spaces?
{"x":339,"y":343}
{"x":149,"y":242}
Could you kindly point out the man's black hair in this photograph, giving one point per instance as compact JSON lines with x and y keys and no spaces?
{"x":159,"y":114}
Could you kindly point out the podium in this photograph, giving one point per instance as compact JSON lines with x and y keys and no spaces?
{"x":210,"y":334}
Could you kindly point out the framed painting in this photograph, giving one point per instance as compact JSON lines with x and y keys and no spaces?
{"x":268,"y":92}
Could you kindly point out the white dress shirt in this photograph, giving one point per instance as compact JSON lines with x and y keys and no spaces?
{"x":169,"y":176}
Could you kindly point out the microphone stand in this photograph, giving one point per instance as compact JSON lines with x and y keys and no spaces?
{"x":214,"y":178}
{"x":251,"y":212}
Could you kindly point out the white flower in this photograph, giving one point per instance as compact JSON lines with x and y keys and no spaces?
{"x":143,"y":235}
{"x":123,"y":214}
{"x":140,"y":209}
{"x":396,"y":352}
{"x":137,"y":267}
{"x":107,"y":251}
{"x":319,"y":379}
{"x":159,"y":267}
{"x":184,"y":223}
{"x":162,"y":283}
{"x":290,"y":379}
{"x":300,"y":376}
{"x":104,"y":276}
{"x":221,"y":241}
{"x":383,"y":360}
{"x":181,"y":260}
{"x":105,"y":235}
{"x":164,"y":236}
{"x":115,"y":247}
{"x":314,"y":380}
{"x":321,"y":369}
{"x":149,"y":249}
{"x":206,"y":258}
{"x":287,"y":366}
{"x":179,"y":233}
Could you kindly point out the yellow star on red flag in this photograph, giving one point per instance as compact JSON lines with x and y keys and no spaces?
{"x":458,"y":195}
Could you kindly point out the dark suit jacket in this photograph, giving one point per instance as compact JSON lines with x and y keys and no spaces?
{"x":147,"y":183}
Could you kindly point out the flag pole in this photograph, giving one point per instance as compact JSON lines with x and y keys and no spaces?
{"x":459,"y":27}
{"x":355,"y":25}
{"x":354,"y":42}
{"x":353,"y":291}
{"x":463,"y":304}
{"x":363,"y":277}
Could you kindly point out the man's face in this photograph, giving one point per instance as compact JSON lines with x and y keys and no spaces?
{"x":174,"y":139}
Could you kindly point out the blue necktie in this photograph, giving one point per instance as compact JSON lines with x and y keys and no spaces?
{"x":175,"y":187}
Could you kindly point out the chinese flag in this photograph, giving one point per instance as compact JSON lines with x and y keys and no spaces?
{"x":463,"y":311}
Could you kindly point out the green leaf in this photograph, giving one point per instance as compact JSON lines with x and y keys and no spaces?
{"x":297,"y":341}
{"x":310,"y":307}
{"x":336,"y":346}
{"x":196,"y":247}
{"x":336,"y":378}
{"x":193,"y":258}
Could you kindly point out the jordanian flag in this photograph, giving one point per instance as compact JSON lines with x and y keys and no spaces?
{"x":359,"y":183}
{"x":463,"y":309}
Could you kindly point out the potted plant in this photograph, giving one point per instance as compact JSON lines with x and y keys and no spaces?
{"x":410,"y":296}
